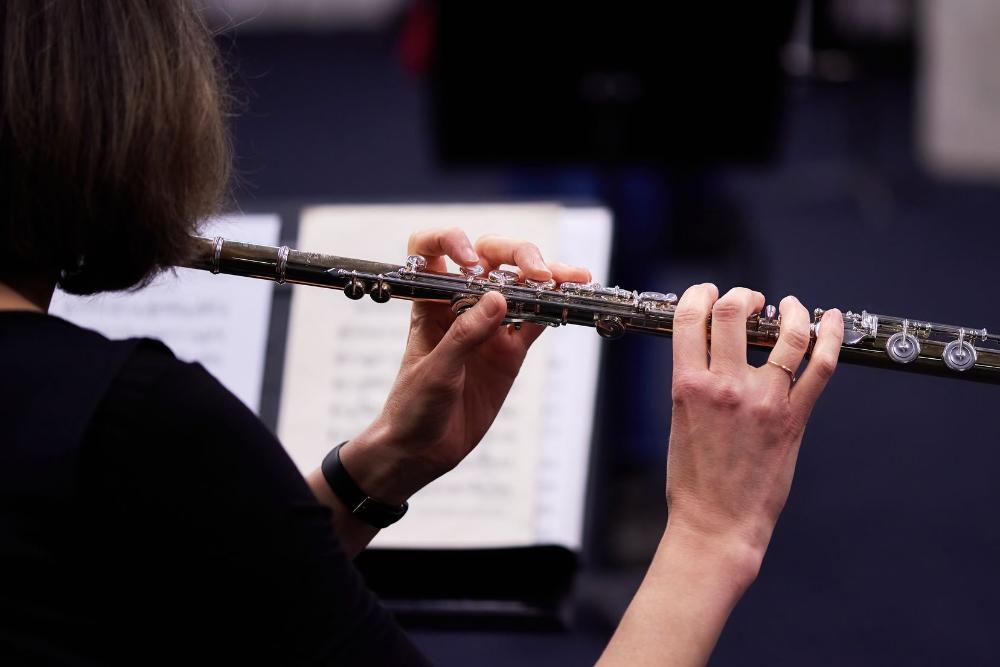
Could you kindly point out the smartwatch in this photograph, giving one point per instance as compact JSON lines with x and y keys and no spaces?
{"x":360,"y":504}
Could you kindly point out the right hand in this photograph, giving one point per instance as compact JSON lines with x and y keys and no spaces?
{"x":736,"y":429}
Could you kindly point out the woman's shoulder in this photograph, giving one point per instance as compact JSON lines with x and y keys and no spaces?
{"x":168,"y":394}
{"x":54,"y":375}
{"x":45,"y":340}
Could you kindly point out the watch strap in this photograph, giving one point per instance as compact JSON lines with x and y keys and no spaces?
{"x":360,"y":504}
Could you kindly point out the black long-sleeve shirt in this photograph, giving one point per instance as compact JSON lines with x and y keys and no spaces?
{"x":146,"y":516}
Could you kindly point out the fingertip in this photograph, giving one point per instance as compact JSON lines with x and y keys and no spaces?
{"x":563,"y":273}
{"x":708,"y":287}
{"x":464,"y":253}
{"x":493,"y":305}
{"x":689,"y":293}
{"x":789,"y":299}
{"x":833,"y":321}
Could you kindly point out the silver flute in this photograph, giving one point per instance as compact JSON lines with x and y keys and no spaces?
{"x":869,"y":339}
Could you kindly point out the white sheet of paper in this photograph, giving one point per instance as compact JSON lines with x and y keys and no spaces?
{"x":342,"y":358}
{"x":584,"y":239}
{"x":217,"y":320}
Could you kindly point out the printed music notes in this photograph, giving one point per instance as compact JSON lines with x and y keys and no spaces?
{"x":220,"y":321}
{"x":584,"y":239}
{"x":524,"y":484}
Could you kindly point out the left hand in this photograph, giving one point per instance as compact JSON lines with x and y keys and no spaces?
{"x":456,"y":371}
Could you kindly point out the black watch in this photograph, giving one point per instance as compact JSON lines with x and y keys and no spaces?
{"x":361,"y":505}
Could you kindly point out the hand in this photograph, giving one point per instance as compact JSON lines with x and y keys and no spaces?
{"x":456,"y":372}
{"x":736,"y":429}
{"x":733,"y":444}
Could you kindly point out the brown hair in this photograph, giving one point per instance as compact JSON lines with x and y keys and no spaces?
{"x":113,"y":142}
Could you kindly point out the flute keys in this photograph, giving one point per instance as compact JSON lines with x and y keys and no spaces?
{"x":381,"y":292}
{"x":902,"y":347}
{"x":580,"y":289}
{"x":657,"y":301}
{"x":471,"y":272}
{"x":609,"y":327}
{"x":616,"y":294}
{"x":540,"y":284}
{"x":659,"y":297}
{"x":354,"y":289}
{"x":959,"y":355}
{"x":572,"y":288}
{"x":462,"y":303}
{"x":503,"y":277}
{"x":415,"y":263}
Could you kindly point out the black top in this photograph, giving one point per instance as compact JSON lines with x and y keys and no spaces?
{"x":147,"y":516}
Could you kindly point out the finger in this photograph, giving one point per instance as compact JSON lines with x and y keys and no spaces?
{"x":729,"y":328}
{"x":467,"y":333}
{"x":793,"y":341}
{"x":429,"y":321}
{"x":522,"y":338}
{"x":691,"y":328}
{"x":565,"y":273}
{"x":497,"y":250}
{"x":822,"y":363}
{"x":435,"y":244}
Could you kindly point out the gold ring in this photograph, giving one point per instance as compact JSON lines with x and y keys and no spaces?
{"x":791,"y":373}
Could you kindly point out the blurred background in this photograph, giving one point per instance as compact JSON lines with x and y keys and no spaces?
{"x":845,"y":151}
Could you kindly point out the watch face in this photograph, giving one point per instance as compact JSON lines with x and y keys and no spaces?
{"x":379,"y":514}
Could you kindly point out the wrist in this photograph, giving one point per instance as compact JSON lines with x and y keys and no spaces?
{"x":730,"y":559}
{"x":382,"y":468}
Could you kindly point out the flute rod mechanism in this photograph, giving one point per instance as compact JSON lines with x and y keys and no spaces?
{"x":869,"y":339}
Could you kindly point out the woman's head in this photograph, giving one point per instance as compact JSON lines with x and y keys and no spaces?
{"x":112,"y":138}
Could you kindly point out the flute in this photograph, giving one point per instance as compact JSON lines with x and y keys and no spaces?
{"x":869,"y":339}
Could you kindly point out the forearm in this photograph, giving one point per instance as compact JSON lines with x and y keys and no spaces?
{"x":354,"y":534}
{"x":684,"y":601}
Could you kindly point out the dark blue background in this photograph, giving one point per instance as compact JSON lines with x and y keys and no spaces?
{"x":887,"y":550}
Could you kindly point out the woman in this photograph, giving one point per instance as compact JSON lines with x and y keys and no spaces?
{"x":148,"y":517}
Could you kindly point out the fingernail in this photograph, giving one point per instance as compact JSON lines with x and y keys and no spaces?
{"x":469,"y":255}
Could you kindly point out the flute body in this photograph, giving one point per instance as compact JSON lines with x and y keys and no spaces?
{"x":869,"y":339}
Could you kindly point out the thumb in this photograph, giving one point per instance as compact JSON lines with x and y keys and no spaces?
{"x":468,"y":332}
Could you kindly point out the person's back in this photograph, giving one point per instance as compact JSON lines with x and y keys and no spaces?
{"x":53,"y":378}
{"x":146,"y":516}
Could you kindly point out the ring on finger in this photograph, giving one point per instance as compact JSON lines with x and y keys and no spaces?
{"x":791,"y":373}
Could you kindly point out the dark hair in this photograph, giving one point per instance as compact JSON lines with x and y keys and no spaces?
{"x":113,"y":143}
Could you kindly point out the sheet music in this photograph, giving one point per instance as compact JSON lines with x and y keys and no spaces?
{"x":584,"y":239}
{"x":220,"y":321}
{"x":342,"y":357}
